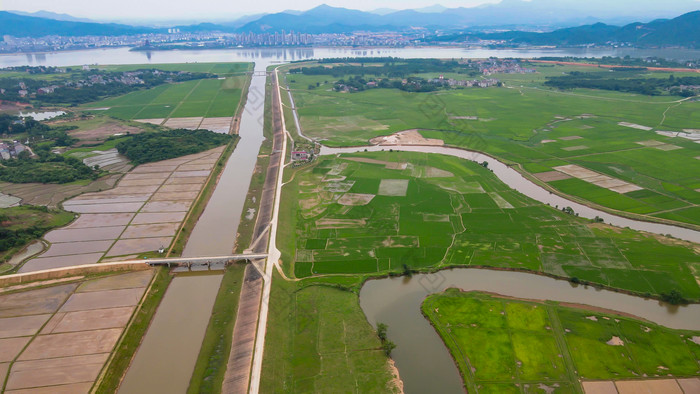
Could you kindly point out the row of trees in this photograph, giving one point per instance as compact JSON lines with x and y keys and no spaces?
{"x":392,"y":68}
{"x":646,"y":86}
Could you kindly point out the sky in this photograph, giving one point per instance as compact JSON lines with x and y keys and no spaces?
{"x":213,"y":10}
{"x":187,"y":9}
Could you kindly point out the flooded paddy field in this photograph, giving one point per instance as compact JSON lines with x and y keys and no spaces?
{"x":141,"y":214}
{"x":58,"y":338}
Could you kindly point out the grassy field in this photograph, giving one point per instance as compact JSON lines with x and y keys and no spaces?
{"x":376,"y":213}
{"x":217,"y":97}
{"x":210,"y":368}
{"x":503,"y":345}
{"x":537,"y":127}
{"x":318,"y":340}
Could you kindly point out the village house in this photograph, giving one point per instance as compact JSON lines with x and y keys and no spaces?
{"x":300,"y":156}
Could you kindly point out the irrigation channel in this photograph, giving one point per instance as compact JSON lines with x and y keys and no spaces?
{"x":166,"y":358}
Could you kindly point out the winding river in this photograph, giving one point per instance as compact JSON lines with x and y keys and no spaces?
{"x":425,"y":364}
{"x":517,"y":181}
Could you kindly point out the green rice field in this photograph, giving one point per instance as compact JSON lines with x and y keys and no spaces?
{"x":216,"y":97}
{"x":376,"y":213}
{"x":503,"y":345}
{"x":318,"y":340}
{"x":611,"y":133}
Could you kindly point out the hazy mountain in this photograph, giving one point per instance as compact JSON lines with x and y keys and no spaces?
{"x":549,"y":14}
{"x":52,"y":15}
{"x":29,"y":26}
{"x":681,"y":31}
{"x":435,"y":8}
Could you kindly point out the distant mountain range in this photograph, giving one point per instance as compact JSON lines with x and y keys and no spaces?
{"x":30,"y":26}
{"x":516,"y":16}
{"x":682,"y":31}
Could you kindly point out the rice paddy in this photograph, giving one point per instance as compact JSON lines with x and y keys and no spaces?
{"x":461,"y":215}
{"x":209,"y":98}
{"x":505,"y":345}
{"x":630,"y":138}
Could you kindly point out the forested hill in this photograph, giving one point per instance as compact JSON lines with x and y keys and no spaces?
{"x":30,"y":26}
{"x":681,"y":31}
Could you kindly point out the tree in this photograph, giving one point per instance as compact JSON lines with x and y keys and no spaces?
{"x":381,"y":331}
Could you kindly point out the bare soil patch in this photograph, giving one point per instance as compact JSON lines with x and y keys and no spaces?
{"x":355,"y":199}
{"x":635,"y":126}
{"x":341,"y":223}
{"x":139,"y":245}
{"x":34,"y":302}
{"x":103,"y":299}
{"x":151,"y":230}
{"x":599,"y":387}
{"x":575,"y":148}
{"x":217,"y":125}
{"x":159,"y":217}
{"x":97,"y":319}
{"x":105,"y":208}
{"x":550,"y":176}
{"x":184,"y":123}
{"x":71,"y":344}
{"x":75,"y":248}
{"x":167,"y":206}
{"x":393,"y":187}
{"x":406,"y":137}
{"x":175,"y":196}
{"x":667,"y":147}
{"x":11,"y":347}
{"x":101,"y":220}
{"x":21,"y":326}
{"x":659,"y":386}
{"x":46,"y":263}
{"x":84,"y":234}
{"x":99,"y":133}
{"x":131,"y":280}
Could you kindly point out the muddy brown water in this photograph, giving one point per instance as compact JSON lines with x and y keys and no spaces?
{"x":165,"y":360}
{"x":215,"y":232}
{"x":425,"y":364}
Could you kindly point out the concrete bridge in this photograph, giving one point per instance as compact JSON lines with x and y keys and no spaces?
{"x":190,"y":261}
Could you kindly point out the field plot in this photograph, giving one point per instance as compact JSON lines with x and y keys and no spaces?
{"x":141,"y":214}
{"x":66,"y":332}
{"x":466,"y":217}
{"x":318,"y":340}
{"x":211,"y":98}
{"x":505,"y":344}
{"x":610,"y":133}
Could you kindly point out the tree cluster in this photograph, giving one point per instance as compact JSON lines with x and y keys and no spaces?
{"x":149,"y":147}
{"x":48,"y":168}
